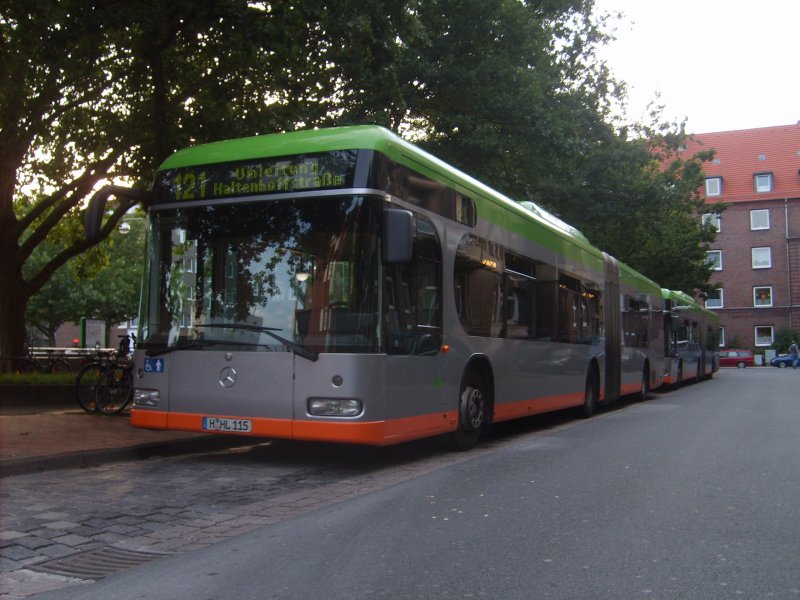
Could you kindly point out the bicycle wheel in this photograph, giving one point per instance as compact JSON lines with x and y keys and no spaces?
{"x":59,"y":365}
{"x":114,"y":390}
{"x":86,"y":384}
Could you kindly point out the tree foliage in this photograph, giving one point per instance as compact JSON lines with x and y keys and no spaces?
{"x":508,"y":90}
{"x":103,"y":287}
{"x":638,"y":199}
{"x":91,"y":91}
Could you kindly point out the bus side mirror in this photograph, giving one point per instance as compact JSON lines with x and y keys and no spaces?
{"x":398,"y":235}
{"x":97,"y":206}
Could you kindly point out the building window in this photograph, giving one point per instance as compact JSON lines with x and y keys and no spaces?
{"x":763,"y":182}
{"x":713,"y":186}
{"x":721,"y":337}
{"x":762,"y":296}
{"x":714,"y":259}
{"x":762,"y":258}
{"x":714,"y":299}
{"x":759,"y":219}
{"x":713,"y":219}
{"x":763,"y":334}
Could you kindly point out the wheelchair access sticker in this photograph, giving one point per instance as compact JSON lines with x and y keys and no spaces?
{"x":154,"y":365}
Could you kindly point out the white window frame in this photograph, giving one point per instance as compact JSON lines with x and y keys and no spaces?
{"x":721,"y":337}
{"x":716,"y":265}
{"x":762,"y":182}
{"x":762,"y":304}
{"x":763,"y":340}
{"x":713,"y":186}
{"x":761,"y":212}
{"x":721,"y":299}
{"x":756,"y":251}
{"x":714,"y":219}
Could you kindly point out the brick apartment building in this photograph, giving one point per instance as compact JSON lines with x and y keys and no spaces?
{"x":756,"y":255}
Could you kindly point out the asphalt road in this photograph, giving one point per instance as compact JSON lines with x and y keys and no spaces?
{"x":693,"y":494}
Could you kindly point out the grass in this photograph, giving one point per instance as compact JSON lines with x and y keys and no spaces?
{"x":38,"y":378}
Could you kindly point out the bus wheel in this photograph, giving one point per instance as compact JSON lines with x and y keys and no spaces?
{"x":471,"y":412}
{"x":644,"y":390}
{"x":590,"y":395}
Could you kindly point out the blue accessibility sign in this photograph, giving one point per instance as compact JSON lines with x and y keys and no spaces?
{"x":154,"y":365}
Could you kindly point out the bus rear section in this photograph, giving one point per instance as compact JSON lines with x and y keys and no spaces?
{"x":691,"y":339}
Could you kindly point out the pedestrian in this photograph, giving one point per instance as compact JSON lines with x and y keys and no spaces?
{"x":793,"y":353}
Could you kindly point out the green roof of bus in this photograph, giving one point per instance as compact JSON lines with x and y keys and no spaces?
{"x":372,"y":137}
{"x":361,"y":137}
{"x":687,"y":302}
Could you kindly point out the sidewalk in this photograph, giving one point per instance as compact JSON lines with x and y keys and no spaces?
{"x":56,"y":436}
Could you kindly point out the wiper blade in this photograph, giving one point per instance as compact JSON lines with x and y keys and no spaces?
{"x":184,"y":346}
{"x":270,"y":331}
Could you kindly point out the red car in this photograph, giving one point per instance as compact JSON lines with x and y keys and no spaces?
{"x":736,"y":358}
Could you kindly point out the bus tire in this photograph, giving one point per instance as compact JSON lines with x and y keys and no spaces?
{"x":591,"y":393}
{"x":679,"y":381}
{"x":472,"y":405}
{"x":644,"y":390}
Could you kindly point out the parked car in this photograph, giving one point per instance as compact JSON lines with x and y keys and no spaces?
{"x":782,"y":361}
{"x":736,"y":358}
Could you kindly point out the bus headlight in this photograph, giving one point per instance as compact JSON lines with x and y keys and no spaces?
{"x":144,"y":397}
{"x":335,"y":407}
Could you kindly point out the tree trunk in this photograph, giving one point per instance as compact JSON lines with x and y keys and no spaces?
{"x":13,"y":301}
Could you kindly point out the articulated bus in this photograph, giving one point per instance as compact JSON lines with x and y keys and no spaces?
{"x":344,"y":285}
{"x":691,"y":337}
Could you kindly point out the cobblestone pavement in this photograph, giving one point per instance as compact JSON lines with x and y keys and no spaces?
{"x":177,"y":504}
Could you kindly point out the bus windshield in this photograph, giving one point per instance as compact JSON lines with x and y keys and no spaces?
{"x":278,"y":275}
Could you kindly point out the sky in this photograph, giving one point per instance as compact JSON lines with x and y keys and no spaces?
{"x":720,"y":64}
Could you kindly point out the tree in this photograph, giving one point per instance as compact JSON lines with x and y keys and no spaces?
{"x":783,"y":339}
{"x":638,"y":198}
{"x":508,"y":90}
{"x":511,"y":93}
{"x":91,"y":91}
{"x":79,"y":289}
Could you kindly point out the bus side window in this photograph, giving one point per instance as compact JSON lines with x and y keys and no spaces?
{"x":568,"y":309}
{"x":631,"y":323}
{"x":478,"y":276}
{"x":594,"y":314}
{"x":412,"y":297}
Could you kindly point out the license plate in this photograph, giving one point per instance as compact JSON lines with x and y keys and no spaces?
{"x":227,"y":425}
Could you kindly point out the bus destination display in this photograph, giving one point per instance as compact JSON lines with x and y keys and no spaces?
{"x":258,"y":176}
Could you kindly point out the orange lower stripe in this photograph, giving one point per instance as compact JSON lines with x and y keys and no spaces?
{"x":631,"y":388}
{"x":374,"y":433}
{"x":148,"y":419}
{"x":535,"y":406}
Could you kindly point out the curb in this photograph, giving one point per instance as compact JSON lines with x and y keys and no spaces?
{"x":93,"y":458}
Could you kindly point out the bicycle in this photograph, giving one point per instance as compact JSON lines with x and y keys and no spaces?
{"x":106,"y":385}
{"x":88,"y":378}
{"x":33,"y":363}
